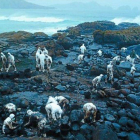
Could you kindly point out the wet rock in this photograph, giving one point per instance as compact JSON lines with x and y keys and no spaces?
{"x":38,"y":80}
{"x":5,"y":90}
{"x":131,"y":123}
{"x":65,"y":126}
{"x":104,"y":133}
{"x":75,"y":126}
{"x":24,"y":52}
{"x":87,"y":94}
{"x":116,"y":100}
{"x":133,"y":99}
{"x":133,"y":136}
{"x":27,"y":73}
{"x":107,"y":123}
{"x":24,"y":103}
{"x":124,"y":92}
{"x":123,"y":121}
{"x":122,"y":113}
{"x":109,"y":117}
{"x":60,"y":88}
{"x":116,"y":85}
{"x":125,"y":65}
{"x":109,"y":91}
{"x":21,"y":74}
{"x":122,"y":135}
{"x":70,"y":67}
{"x":95,"y":70}
{"x":116,"y":126}
{"x":76,"y":116}
{"x":80,"y":137}
{"x":130,"y":105}
{"x":86,"y":130}
{"x":107,"y":54}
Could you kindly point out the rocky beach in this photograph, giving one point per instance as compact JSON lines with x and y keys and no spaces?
{"x":118,"y":116}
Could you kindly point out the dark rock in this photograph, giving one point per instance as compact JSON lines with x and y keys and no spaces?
{"x":122,"y":113}
{"x":122,"y":135}
{"x":118,"y":101}
{"x":87,"y":94}
{"x":60,"y":88}
{"x":86,"y":129}
{"x":65,"y":127}
{"x":75,"y":126}
{"x":133,"y":136}
{"x":109,"y":117}
{"x":24,"y":52}
{"x":70,"y":67}
{"x":125,"y":25}
{"x":133,"y":99}
{"x":131,"y":123}
{"x":116,"y":126}
{"x":80,"y":137}
{"x":38,"y":80}
{"x":5,"y":90}
{"x":24,"y":103}
{"x":123,"y":121}
{"x":116,"y":85}
{"x":76,"y":116}
{"x":109,"y":91}
{"x":95,"y":70}
{"x":27,"y":73}
{"x":130,"y":105}
{"x":124,"y":91}
{"x":104,"y":133}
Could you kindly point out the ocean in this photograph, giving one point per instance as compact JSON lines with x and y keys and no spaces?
{"x":51,"y":20}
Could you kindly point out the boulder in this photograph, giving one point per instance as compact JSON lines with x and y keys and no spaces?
{"x":125,"y":92}
{"x":103,"y":132}
{"x":109,"y":117}
{"x":76,"y":116}
{"x":133,"y":136}
{"x":38,"y":80}
{"x":60,"y":88}
{"x":122,"y":113}
{"x":5,"y":90}
{"x":123,"y":121}
{"x":24,"y":52}
{"x":116,"y":127}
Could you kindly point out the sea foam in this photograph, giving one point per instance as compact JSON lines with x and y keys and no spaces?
{"x":48,"y":30}
{"x":123,"y":19}
{"x":31,"y":19}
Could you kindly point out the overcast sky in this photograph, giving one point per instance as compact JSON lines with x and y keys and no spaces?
{"x":113,"y":3}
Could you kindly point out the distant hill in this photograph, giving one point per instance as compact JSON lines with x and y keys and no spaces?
{"x":20,"y":4}
{"x":80,"y":5}
{"x":99,"y":9}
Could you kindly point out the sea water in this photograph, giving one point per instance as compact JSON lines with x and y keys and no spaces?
{"x":52,"y":20}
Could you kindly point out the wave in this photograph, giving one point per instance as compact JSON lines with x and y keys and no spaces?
{"x":123,"y":19}
{"x":48,"y":31}
{"x":31,"y":19}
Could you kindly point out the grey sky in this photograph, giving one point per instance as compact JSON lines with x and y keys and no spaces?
{"x":113,"y":3}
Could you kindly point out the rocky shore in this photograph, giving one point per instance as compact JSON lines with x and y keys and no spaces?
{"x":119,"y":117}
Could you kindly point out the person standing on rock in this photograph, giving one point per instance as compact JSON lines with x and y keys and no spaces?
{"x":133,"y":69}
{"x":83,"y":49}
{"x":11,"y":62}
{"x":4,"y":61}
{"x":110,"y":72}
{"x":133,"y":55}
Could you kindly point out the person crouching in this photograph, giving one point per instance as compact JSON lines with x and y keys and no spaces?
{"x":37,"y":119}
{"x":8,"y":127}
